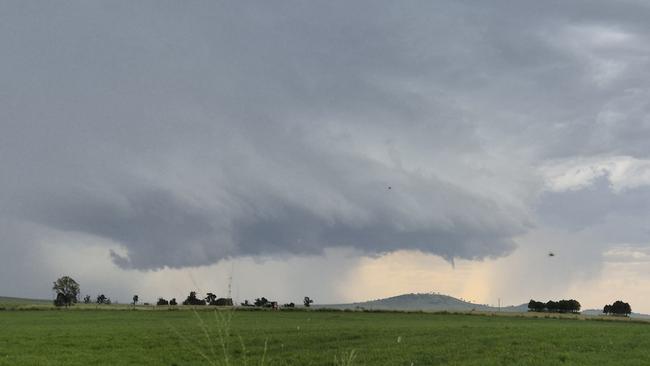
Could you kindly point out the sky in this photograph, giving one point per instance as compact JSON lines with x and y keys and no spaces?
{"x":342,"y":150}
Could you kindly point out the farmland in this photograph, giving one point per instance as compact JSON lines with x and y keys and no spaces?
{"x":183,"y":337}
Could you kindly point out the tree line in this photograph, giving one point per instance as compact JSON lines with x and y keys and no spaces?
{"x":562,"y":306}
{"x":210,"y":299}
{"x":67,"y":292}
{"x":263,"y":302}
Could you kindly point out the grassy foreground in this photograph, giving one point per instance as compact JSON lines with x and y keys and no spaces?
{"x":100,"y":337}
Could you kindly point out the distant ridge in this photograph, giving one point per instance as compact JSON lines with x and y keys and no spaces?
{"x":596,"y":312}
{"x":425,"y":302}
{"x":20,"y":300}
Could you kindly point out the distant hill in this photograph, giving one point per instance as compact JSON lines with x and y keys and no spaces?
{"x":425,"y":302}
{"x":596,"y":312}
{"x":22,"y":301}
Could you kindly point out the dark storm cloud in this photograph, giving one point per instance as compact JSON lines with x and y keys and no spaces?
{"x":189,"y":133}
{"x":608,"y":216}
{"x":592,"y":205}
{"x":302,"y":210}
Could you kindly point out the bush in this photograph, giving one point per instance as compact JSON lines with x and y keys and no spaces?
{"x":223,"y":302}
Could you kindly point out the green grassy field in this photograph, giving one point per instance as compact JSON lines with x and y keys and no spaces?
{"x":122,"y":337}
{"x":15,"y":302}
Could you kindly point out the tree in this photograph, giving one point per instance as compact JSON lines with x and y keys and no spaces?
{"x":87,"y":299}
{"x":135,"y":299}
{"x":162,"y":302}
{"x":618,"y":308}
{"x":552,"y":306}
{"x":101,"y":299}
{"x":173,"y":302}
{"x":537,"y":306}
{"x":307,"y":301}
{"x":60,"y":300}
{"x":246,"y":303}
{"x":562,"y":306}
{"x":193,"y":300}
{"x":211,"y":298}
{"x":627,"y":310}
{"x":574,"y":306}
{"x":67,"y":291}
{"x":261,"y":302}
{"x":607,"y":309}
{"x":531,"y":305}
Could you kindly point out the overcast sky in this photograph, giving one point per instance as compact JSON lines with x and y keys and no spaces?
{"x":343,"y":150}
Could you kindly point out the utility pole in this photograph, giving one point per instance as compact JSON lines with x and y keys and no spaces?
{"x":499,"y":304}
{"x":230,"y":286}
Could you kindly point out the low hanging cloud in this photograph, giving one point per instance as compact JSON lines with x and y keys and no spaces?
{"x":307,"y":202}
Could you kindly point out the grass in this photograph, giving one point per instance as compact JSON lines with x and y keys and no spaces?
{"x":16,"y":302}
{"x":313,"y":338}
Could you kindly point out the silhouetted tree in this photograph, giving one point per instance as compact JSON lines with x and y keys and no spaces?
{"x":262,"y":302}
{"x":87,"y":299}
{"x":551,"y":306}
{"x":173,"y":302}
{"x":246,"y":303}
{"x":68,"y":288}
{"x":211,"y":299}
{"x":626,"y":309}
{"x":618,"y":308}
{"x":289,"y":305}
{"x":135,"y":299}
{"x":537,"y":306}
{"x":162,"y":302}
{"x":60,"y":300}
{"x":307,"y":301}
{"x":101,"y":299}
{"x":574,"y":306}
{"x":531,"y":305}
{"x":607,"y":309}
{"x":193,"y":300}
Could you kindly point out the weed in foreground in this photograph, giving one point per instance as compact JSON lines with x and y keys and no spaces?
{"x":346,"y":358}
{"x":220,"y":351}
{"x":218,"y":338}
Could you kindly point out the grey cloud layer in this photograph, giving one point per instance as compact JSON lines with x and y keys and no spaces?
{"x":191,"y":133}
{"x":260,"y":203}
